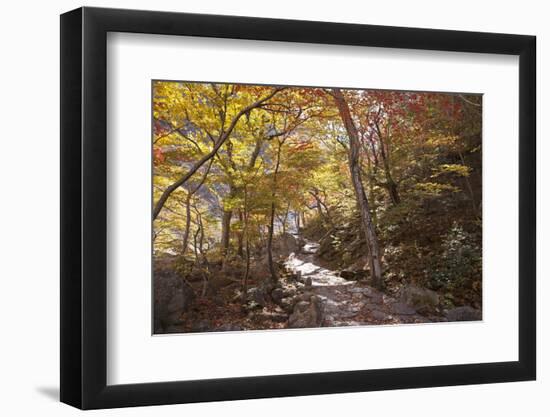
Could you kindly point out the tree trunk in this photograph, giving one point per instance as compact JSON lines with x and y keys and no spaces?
{"x":196,"y":245}
{"x":362,"y":201}
{"x":320,"y":205}
{"x":370,"y":175}
{"x":203,"y":264}
{"x":247,"y":247}
{"x":226,"y":229}
{"x":190,"y":194}
{"x":272,"y":269}
{"x":240,"y":252}
{"x":391,"y":186}
{"x":185,"y":239}
{"x":475,"y":207}
{"x":394,"y":194}
{"x":201,"y":239}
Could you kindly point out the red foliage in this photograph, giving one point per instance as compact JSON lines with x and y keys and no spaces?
{"x":158,"y":156}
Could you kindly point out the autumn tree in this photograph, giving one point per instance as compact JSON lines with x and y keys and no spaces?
{"x":229,"y":114}
{"x":362,"y":201}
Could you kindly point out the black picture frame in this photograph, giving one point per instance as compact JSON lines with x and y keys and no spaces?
{"x":84,"y":207}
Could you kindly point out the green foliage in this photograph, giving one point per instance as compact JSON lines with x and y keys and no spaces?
{"x":459,"y":263}
{"x":434,"y":189}
{"x":456,"y":169}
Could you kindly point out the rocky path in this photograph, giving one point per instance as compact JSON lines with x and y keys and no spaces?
{"x":307,"y":295}
{"x":326,"y":299}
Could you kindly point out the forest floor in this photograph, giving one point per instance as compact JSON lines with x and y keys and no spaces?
{"x":309,"y":295}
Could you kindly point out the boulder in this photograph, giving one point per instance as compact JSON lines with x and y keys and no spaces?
{"x":257,"y":295}
{"x":178,"y":303}
{"x":304,"y":297}
{"x":287,"y":304}
{"x":402,"y":309}
{"x":172,"y":297}
{"x":277,"y":295}
{"x":301,"y":306}
{"x":259,"y":268}
{"x":375,"y":298}
{"x":285,"y":244}
{"x":422,"y":299}
{"x":307,"y":314}
{"x":465,"y":313}
{"x":379,"y":315}
{"x":217,"y":282}
{"x":354,"y":275}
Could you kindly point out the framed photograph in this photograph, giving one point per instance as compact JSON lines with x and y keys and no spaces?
{"x":257,"y":208}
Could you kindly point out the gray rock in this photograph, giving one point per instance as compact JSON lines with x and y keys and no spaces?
{"x":422,"y":299}
{"x":362,"y":290}
{"x":219,"y":281}
{"x":201,"y":326}
{"x":285,"y":244}
{"x":386,"y":299}
{"x":402,"y":309}
{"x":229,"y":327}
{"x":378,"y":315}
{"x":304,"y":297}
{"x":257,"y":296}
{"x":277,"y":295}
{"x":287,"y":304}
{"x":301,"y":306}
{"x":465,"y":313}
{"x":173,"y":297}
{"x":346,"y":314}
{"x":307,"y":314}
{"x":376,"y":298}
{"x":259,"y":269}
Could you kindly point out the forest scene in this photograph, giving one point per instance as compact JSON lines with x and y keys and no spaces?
{"x":278,"y":207}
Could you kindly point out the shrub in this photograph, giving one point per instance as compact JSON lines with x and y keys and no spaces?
{"x":460,"y":262}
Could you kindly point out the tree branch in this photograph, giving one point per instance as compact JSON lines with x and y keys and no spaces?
{"x":217,"y":145}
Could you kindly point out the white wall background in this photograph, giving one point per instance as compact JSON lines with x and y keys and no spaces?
{"x":29,"y":225}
